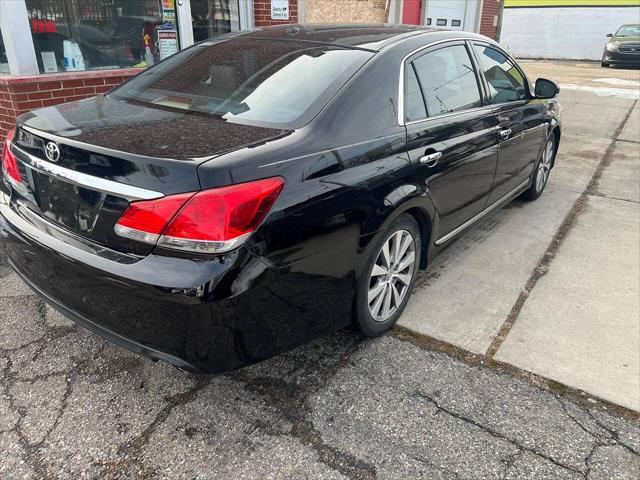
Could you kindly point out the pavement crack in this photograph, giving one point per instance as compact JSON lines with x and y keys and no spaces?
{"x":510,"y":460}
{"x":587,"y":460}
{"x":544,"y":384}
{"x":614,"y":435}
{"x":135,"y":446}
{"x":561,"y":234}
{"x":63,"y":407}
{"x":494,"y":433}
{"x":578,"y":423}
{"x":439,"y":468}
{"x":291,"y":400}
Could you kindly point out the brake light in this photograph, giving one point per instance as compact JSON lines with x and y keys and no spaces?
{"x":10,"y":162}
{"x":211,"y":221}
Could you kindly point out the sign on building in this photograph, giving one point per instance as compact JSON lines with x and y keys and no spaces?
{"x":279,"y":9}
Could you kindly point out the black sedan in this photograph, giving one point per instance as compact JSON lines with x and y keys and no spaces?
{"x":256,"y":191}
{"x":623,"y":47}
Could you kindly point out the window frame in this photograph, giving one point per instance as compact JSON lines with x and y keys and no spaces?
{"x":478,"y":61}
{"x":407,"y":63}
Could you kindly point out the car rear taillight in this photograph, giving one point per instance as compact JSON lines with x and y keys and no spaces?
{"x":10,"y":163}
{"x":211,"y":221}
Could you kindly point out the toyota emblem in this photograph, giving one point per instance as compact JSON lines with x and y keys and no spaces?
{"x":52,"y":151}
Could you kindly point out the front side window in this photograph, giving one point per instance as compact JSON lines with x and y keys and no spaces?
{"x":506,"y":83}
{"x":447,"y":80}
{"x":251,"y":81}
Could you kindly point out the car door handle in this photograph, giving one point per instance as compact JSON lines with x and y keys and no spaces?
{"x":430,"y":159}
{"x":504,"y":134}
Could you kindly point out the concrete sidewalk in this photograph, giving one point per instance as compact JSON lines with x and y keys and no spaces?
{"x":552,"y":286}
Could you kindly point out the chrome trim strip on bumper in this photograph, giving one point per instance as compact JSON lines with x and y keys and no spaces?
{"x":90,"y":182}
{"x":492,"y":207}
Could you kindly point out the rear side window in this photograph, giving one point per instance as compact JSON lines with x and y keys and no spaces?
{"x":257,"y":82}
{"x":447,"y":80}
{"x":506,"y":83}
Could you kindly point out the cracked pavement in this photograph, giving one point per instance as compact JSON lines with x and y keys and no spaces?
{"x":399,"y":407}
{"x":72,"y":405}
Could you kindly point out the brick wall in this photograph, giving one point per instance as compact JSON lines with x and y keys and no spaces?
{"x":22,"y":94}
{"x":489,"y":16}
{"x":262,"y":13}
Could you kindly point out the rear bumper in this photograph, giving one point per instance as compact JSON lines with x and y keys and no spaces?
{"x":208,"y":316}
{"x":103,"y":332}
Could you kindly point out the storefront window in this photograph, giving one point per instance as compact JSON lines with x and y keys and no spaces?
{"x":76,"y":35}
{"x":214,"y":17}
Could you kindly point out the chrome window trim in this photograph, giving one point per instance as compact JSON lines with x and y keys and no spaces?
{"x":401,"y":119}
{"x":489,"y":108}
{"x":84,"y":180}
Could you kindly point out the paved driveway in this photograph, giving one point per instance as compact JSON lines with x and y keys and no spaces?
{"x":553,"y":286}
{"x":530,"y":371}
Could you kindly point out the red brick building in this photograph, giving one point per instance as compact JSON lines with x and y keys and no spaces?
{"x":56,"y":51}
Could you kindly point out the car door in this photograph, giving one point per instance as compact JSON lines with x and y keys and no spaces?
{"x":451,"y":133}
{"x":520,"y":118}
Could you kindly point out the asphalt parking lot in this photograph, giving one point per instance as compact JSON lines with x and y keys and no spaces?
{"x":531,"y":371}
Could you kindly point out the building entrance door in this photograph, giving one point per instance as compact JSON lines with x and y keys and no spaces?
{"x":411,"y":12}
{"x":202,"y":19}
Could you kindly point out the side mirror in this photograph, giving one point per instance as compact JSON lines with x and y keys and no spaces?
{"x":546,"y":88}
{"x":609,"y":35}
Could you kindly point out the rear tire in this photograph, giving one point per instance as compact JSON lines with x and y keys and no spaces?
{"x":542,"y":171}
{"x":389,"y":277}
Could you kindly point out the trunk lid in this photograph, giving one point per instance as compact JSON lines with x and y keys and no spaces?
{"x":108,"y":152}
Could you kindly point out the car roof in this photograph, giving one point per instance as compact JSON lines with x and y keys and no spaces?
{"x":368,"y":36}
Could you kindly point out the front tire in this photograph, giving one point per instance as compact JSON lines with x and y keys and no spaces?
{"x":387,"y":281}
{"x":604,"y":64}
{"x":543,"y":169}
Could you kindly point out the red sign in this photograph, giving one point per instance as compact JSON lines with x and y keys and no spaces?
{"x":43,"y":26}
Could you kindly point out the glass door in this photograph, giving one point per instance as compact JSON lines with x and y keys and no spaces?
{"x":210,"y":18}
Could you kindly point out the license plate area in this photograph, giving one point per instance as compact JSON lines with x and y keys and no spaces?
{"x":69,"y":205}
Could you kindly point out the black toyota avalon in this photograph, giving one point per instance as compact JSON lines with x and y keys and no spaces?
{"x":256,"y":191}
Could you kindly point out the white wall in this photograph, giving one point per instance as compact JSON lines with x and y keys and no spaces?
{"x":576,"y":33}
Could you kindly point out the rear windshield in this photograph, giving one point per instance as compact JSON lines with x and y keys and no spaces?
{"x":251,"y":81}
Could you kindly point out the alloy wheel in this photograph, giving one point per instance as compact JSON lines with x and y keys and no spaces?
{"x":544,"y":167}
{"x":391,"y":275}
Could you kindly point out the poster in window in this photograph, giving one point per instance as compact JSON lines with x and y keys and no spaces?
{"x":168,"y":10}
{"x":167,"y":43}
{"x":279,"y":9}
{"x":49,"y":62}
